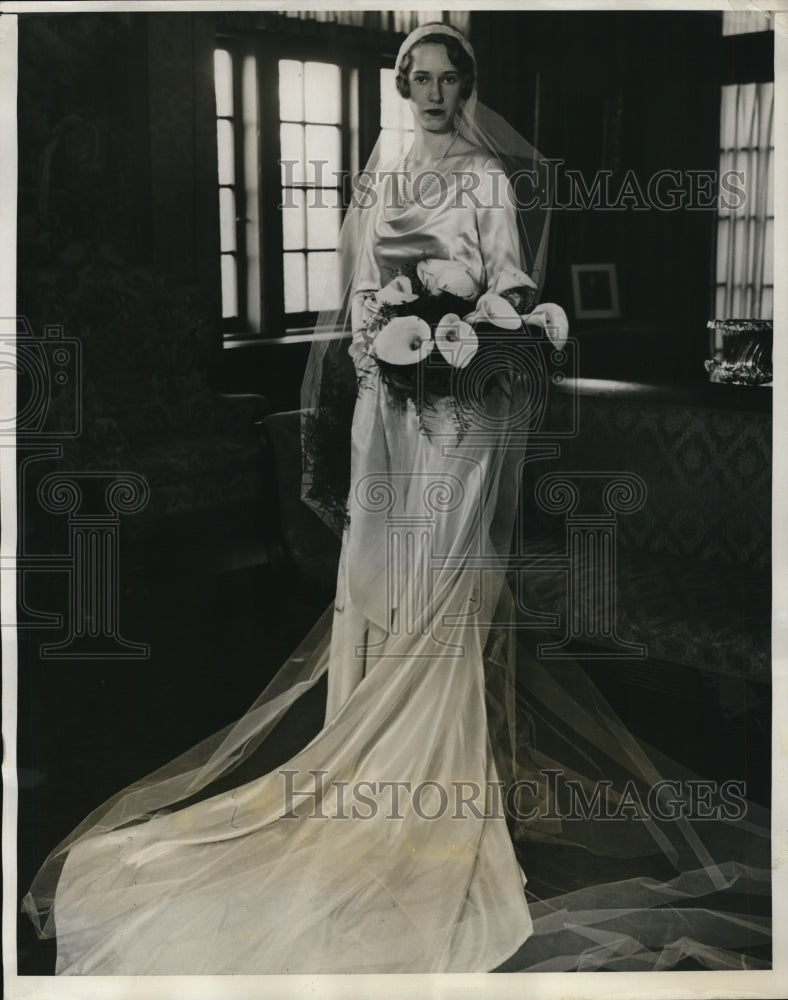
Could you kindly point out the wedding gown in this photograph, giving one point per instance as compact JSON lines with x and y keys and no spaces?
{"x":227,"y":885}
{"x":382,"y":845}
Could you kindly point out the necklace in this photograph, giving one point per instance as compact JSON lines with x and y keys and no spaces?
{"x":424,"y":188}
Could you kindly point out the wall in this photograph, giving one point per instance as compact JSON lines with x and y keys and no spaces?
{"x":117,"y":147}
{"x":619,"y":92}
{"x":610,"y":90}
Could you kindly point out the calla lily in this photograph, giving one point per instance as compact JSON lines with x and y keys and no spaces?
{"x":511,"y":277}
{"x":446,"y":276}
{"x":397,"y":292}
{"x":492,"y":308}
{"x":404,"y":340}
{"x":456,"y":340}
{"x":552,"y":319}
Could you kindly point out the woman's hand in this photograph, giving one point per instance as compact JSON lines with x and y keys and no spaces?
{"x":363,"y":311}
{"x":370,"y":311}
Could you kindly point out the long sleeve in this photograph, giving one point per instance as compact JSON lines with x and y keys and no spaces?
{"x":367,"y":276}
{"x":496,"y":221}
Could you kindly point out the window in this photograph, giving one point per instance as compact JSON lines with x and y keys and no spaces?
{"x":310,"y":144}
{"x":745,"y":234}
{"x":396,"y":118}
{"x":293,"y":120}
{"x":744,"y":281}
{"x":237,"y":127}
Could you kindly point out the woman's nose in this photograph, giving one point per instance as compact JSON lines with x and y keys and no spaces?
{"x":435,"y":92}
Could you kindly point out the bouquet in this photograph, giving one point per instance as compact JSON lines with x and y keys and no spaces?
{"x":429,"y":328}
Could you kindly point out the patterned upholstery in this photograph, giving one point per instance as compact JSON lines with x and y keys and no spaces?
{"x":147,"y":405}
{"x":707,"y":471}
{"x":694,"y":562}
{"x":684,"y":611}
{"x":299,"y":538}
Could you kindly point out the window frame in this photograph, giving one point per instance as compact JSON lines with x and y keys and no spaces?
{"x":745,"y":57}
{"x":353,"y":54}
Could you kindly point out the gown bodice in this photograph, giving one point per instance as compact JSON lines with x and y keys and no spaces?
{"x":464,"y":214}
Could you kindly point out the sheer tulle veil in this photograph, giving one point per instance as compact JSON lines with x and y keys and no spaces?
{"x":329,"y":383}
{"x":544,"y":718}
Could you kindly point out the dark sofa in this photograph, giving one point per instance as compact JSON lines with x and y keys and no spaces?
{"x":692,"y":559}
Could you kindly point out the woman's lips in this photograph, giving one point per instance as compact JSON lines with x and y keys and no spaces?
{"x":435,"y":112}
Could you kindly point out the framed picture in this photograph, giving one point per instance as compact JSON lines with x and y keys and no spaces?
{"x":595,"y":291}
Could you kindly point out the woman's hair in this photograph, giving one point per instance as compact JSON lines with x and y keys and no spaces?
{"x":458,"y":57}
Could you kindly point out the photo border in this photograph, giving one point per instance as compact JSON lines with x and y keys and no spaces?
{"x":679,"y":985}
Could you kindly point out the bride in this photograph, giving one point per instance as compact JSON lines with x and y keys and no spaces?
{"x":386,"y":844}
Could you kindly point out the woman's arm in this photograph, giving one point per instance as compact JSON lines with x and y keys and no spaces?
{"x":366,"y":281}
{"x":496,"y":220}
{"x":500,"y":246}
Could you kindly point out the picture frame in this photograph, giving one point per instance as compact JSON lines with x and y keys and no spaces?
{"x":595,"y":291}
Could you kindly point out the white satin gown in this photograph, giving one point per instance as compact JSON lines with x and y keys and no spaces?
{"x":277,"y":877}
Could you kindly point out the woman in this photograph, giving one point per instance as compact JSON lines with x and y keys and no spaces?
{"x":383,"y":846}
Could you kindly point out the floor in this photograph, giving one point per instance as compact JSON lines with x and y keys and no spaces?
{"x":218,"y":628}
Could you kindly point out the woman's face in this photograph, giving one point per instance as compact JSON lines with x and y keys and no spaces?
{"x":434,"y":88}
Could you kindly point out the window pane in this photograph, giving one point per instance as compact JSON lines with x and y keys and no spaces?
{"x":744,"y":111}
{"x":744,"y":234}
{"x":322,"y":220}
{"x":389,"y":100}
{"x":723,"y":231}
{"x":352,"y":126}
{"x":719,"y":307}
{"x":251,"y":237}
{"x":323,"y":154}
{"x":223,"y":82}
{"x":229,"y":287}
{"x":739,"y":234}
{"x":293,"y":230}
{"x":768,"y":254}
{"x":728,"y":117}
{"x":291,"y":90}
{"x":322,"y":93}
{"x":226,"y":148}
{"x":291,"y":138}
{"x":393,"y":143}
{"x":394,"y":110}
{"x":765,"y":114}
{"x":743,"y":22}
{"x":323,"y":281}
{"x":226,"y":219}
{"x":295,"y":282}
